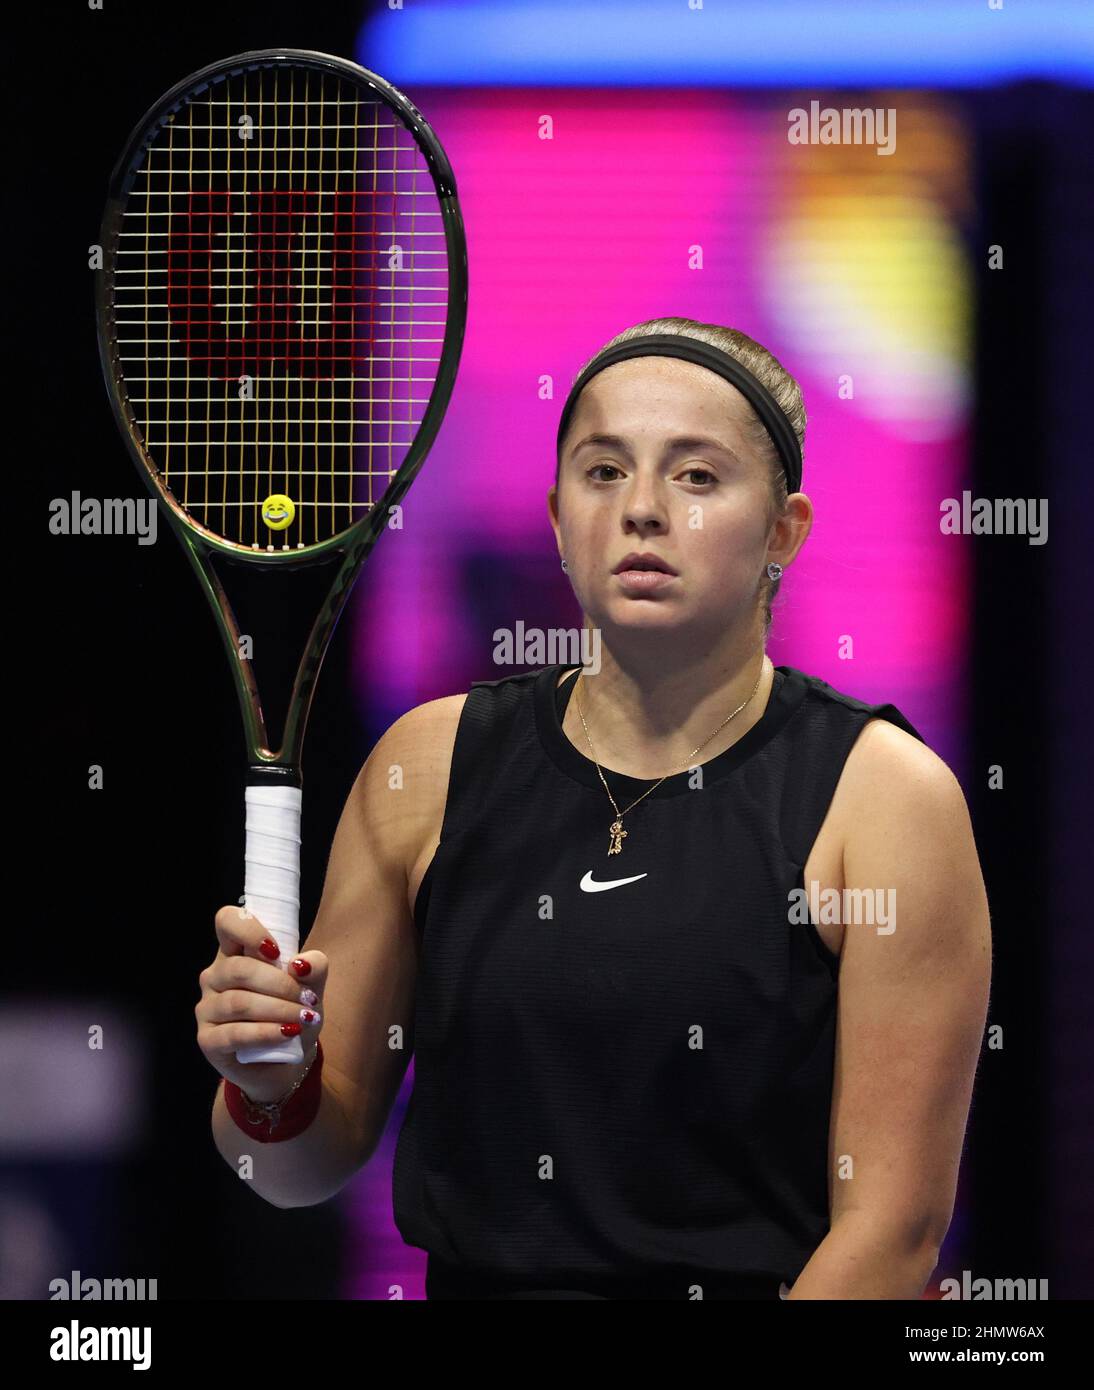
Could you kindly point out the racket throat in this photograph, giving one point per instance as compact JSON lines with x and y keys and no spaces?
{"x":274,"y":775}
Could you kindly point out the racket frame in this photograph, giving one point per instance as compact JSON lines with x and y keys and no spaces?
{"x":283,"y":764}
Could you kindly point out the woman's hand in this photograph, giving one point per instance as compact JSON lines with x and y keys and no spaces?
{"x":247,"y":999}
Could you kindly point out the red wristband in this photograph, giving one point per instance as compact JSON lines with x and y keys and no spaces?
{"x":296,"y":1114}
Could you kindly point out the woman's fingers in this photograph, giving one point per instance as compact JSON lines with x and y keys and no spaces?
{"x":221,"y":1041}
{"x":246,"y":1006}
{"x":242,"y":963}
{"x":238,"y":931}
{"x":247,"y":1000}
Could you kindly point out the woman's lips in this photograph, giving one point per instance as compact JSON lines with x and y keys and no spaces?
{"x":644,"y":581}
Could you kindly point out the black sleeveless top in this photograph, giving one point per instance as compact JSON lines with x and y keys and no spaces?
{"x":623,"y":1089}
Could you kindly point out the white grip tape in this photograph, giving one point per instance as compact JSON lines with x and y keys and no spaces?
{"x":271,"y":890}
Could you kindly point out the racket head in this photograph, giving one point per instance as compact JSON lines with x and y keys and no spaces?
{"x":282,"y":302}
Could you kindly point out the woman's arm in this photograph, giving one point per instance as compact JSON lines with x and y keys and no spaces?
{"x":911,"y":1015}
{"x":365,"y":929}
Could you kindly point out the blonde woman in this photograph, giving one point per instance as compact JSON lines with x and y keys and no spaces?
{"x":646,"y":1064}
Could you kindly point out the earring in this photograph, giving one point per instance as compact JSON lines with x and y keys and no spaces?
{"x":774,"y":570}
{"x":565,"y":566}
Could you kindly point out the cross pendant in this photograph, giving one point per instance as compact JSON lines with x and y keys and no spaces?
{"x":617,"y":833}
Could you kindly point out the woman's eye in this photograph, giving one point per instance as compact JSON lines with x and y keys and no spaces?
{"x":702,"y":477}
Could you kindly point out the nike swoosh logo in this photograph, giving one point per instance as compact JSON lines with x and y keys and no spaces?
{"x":590,"y":885}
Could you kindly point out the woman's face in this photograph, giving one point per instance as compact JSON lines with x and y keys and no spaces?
{"x":658,"y":458}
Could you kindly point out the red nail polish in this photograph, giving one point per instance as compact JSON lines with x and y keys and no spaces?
{"x":290,"y":1029}
{"x":307,"y":1016}
{"x":269,"y":949}
{"x":302,"y":967}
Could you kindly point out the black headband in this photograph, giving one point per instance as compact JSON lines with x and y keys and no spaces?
{"x":693,"y":350}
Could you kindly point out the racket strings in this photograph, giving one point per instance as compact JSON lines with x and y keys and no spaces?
{"x":280,"y":294}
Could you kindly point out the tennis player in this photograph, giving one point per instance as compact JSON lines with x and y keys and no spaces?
{"x":692,"y":953}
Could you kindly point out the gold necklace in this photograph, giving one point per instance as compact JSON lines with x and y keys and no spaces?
{"x":617,"y":832}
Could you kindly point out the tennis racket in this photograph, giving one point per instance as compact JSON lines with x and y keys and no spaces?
{"x":280,"y":311}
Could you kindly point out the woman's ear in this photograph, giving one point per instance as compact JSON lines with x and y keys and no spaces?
{"x":552,"y":512}
{"x":789,"y":530}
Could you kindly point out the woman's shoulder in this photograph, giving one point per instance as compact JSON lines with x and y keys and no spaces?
{"x":416,"y":754}
{"x":889,"y":755}
{"x":820,"y":692}
{"x":818,"y":686}
{"x":424,"y":731}
{"x":431,"y":726}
